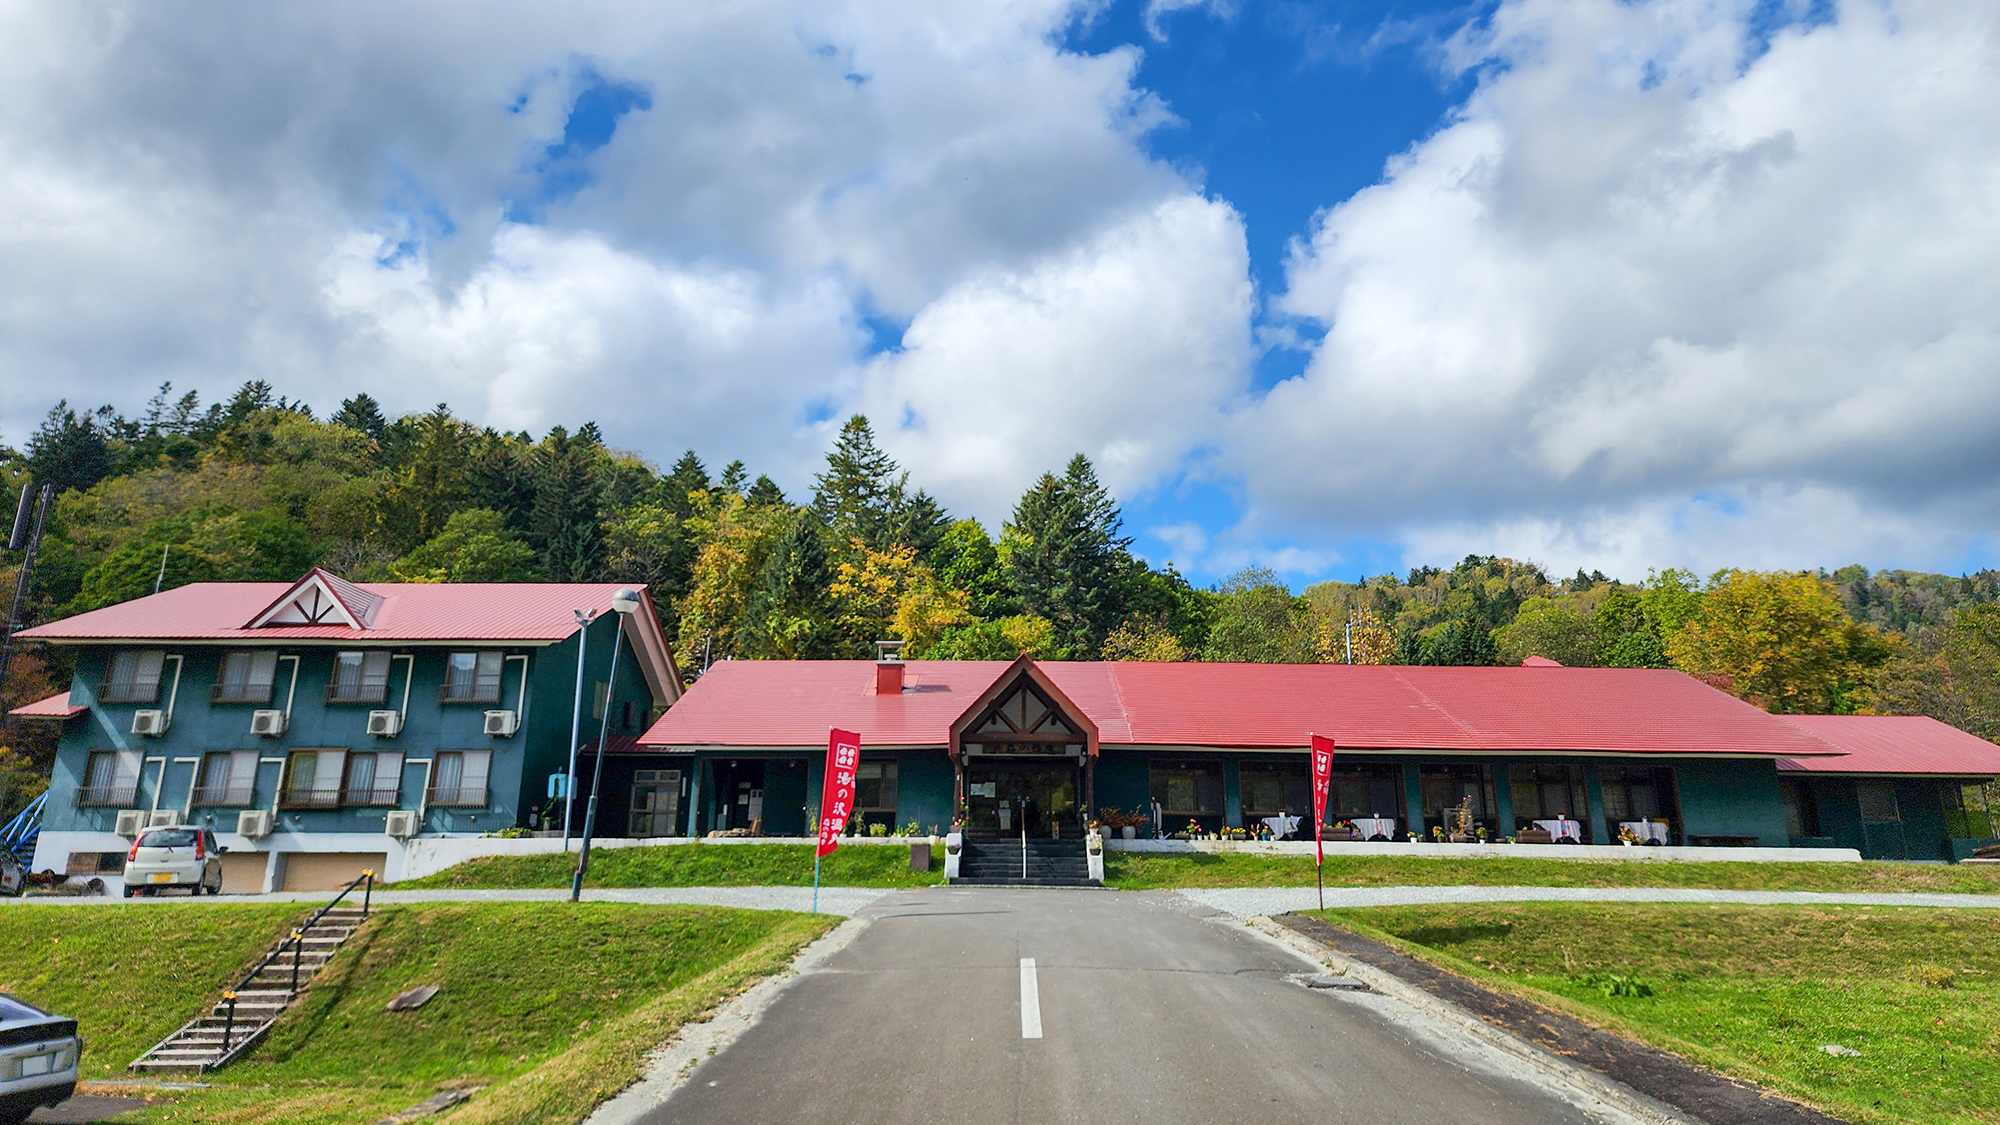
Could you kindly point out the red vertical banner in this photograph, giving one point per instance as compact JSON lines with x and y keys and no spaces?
{"x":1322,"y":772}
{"x":836,"y":800}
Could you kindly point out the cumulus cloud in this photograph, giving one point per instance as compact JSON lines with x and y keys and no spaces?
{"x":1660,"y":290}
{"x":409,"y":200}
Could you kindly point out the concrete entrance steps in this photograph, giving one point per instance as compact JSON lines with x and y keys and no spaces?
{"x":1050,"y":863}
{"x":209,"y":1041}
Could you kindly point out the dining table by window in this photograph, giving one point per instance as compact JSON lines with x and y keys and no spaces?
{"x":1648,"y":831}
{"x":1560,"y":830}
{"x":1370,"y":827}
{"x":1281,"y":826}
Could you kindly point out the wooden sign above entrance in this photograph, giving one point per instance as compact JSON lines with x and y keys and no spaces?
{"x":1023,"y":713}
{"x":1038,"y":749}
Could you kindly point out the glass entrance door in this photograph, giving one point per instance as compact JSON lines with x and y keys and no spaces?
{"x":1038,"y":795}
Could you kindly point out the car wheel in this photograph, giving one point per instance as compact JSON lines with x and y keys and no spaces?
{"x":130,"y":891}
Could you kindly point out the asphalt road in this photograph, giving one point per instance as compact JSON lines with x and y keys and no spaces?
{"x":1147,"y":1008}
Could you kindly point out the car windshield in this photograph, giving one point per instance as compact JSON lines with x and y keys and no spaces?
{"x":12,"y":1009}
{"x":168,"y":838}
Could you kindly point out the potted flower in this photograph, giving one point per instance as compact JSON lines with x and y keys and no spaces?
{"x":1626,"y":836}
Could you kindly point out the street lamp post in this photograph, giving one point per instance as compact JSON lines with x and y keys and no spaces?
{"x":583,"y":619}
{"x":625,"y":600}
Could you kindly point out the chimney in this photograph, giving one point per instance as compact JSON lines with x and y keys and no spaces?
{"x":888,"y":667}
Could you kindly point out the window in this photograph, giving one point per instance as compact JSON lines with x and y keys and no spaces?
{"x":875,"y":787}
{"x":169,"y":838}
{"x":1547,"y":791}
{"x":1187,"y":788}
{"x":228,"y":777}
{"x":1266,"y":790}
{"x":600,"y":698}
{"x":1972,"y":812}
{"x":110,"y":778}
{"x":134,"y":676}
{"x":1363,"y":790}
{"x":359,"y":677}
{"x":374,"y":779}
{"x":1878,"y":801}
{"x":1446,"y":787}
{"x":312,"y":779}
{"x":246,"y":677}
{"x":1801,"y":811}
{"x":1636,"y":793}
{"x":461,"y":778}
{"x":472,"y":677}
{"x":656,"y":802}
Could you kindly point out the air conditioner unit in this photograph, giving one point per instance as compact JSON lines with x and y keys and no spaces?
{"x":153,"y":723}
{"x":402,"y":824}
{"x":254,"y":823}
{"x":270,"y":724}
{"x":163,"y":818}
{"x":502,"y":724}
{"x":131,"y":822}
{"x":385,"y":724}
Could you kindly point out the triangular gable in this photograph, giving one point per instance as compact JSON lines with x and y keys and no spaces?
{"x":1023,"y":704}
{"x":320,"y":599}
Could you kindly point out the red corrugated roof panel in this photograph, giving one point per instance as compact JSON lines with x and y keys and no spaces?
{"x":1250,"y":706}
{"x":1895,"y":744}
{"x":56,"y":706}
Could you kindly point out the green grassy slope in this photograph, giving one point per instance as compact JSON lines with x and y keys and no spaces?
{"x":1757,"y":991}
{"x":695,"y":865}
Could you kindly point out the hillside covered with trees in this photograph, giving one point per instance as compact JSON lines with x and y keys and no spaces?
{"x":259,"y":489}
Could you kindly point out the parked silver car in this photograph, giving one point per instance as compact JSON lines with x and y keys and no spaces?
{"x":174,"y":857}
{"x":38,"y":1057}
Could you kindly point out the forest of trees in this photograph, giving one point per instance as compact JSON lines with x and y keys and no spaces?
{"x":259,"y":489}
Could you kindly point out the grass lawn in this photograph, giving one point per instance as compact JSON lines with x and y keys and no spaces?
{"x":694,"y":865}
{"x":1756,"y":991}
{"x":1140,"y":871}
{"x":552,"y":1007}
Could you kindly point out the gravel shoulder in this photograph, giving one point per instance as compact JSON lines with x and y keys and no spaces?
{"x":1252,"y":902}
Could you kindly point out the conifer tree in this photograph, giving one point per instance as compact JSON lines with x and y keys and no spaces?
{"x":1066,"y":558}
{"x":362,"y":413}
{"x":860,"y":495}
{"x":791,"y":616}
{"x":563,"y":525}
{"x":687,"y":476}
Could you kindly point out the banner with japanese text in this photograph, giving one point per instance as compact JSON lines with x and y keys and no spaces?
{"x":1322,"y":776}
{"x":836,"y":802}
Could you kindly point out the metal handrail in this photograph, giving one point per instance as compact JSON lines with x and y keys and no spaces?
{"x":297,"y":938}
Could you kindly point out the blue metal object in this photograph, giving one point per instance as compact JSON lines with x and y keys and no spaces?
{"x":21,"y":832}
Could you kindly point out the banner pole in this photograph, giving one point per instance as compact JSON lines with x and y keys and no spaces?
{"x":816,"y":887}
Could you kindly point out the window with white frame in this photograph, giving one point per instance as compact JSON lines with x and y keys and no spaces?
{"x":133,"y":676}
{"x":472,"y":677}
{"x":110,"y":778}
{"x":374,"y":778}
{"x":228,"y":777}
{"x":246,"y":677}
{"x":459,"y":778}
{"x":359,"y":677}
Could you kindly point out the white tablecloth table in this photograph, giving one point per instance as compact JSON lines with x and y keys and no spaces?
{"x":1559,"y":830}
{"x":1648,"y":831}
{"x":1281,"y":826}
{"x":1372,"y":826}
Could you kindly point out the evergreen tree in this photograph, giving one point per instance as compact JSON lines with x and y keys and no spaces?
{"x":686,"y":477}
{"x":69,"y":449}
{"x":563,"y":527}
{"x":362,"y":413}
{"x":733,"y":475}
{"x":765,"y":493}
{"x":791,"y":615}
{"x":1066,"y":559}
{"x":860,"y":495}
{"x":921,"y":524}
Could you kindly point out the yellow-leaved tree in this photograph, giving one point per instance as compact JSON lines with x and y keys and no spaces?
{"x":1785,"y":640}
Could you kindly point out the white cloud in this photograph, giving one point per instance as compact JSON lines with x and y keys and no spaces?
{"x":1125,"y":348}
{"x":1644,"y":263}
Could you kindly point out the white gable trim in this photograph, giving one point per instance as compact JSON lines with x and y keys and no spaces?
{"x":311,"y":602}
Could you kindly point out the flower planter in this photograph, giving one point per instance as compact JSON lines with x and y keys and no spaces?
{"x":1535,"y":836}
{"x":1128,"y":832}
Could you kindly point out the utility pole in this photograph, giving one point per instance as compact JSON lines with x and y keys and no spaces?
{"x":26,"y":538}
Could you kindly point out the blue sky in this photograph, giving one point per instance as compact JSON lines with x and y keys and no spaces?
{"x":1337,"y":288}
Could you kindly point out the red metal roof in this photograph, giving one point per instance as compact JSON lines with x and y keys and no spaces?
{"x":56,"y":706}
{"x":1250,"y":706}
{"x":1895,"y":744}
{"x":412,"y":611}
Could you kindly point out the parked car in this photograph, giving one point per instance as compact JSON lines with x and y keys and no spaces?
{"x":174,"y":857}
{"x":38,"y":1057}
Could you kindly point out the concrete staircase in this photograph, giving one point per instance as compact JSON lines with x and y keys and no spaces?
{"x":247,"y":1011}
{"x":1047,"y":863}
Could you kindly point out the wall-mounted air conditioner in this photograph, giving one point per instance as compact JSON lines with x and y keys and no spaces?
{"x":131,"y":822}
{"x":385,"y":724}
{"x":270,"y":724}
{"x":254,"y":823}
{"x":402,"y":824}
{"x":163,"y":818}
{"x":502,"y":724}
{"x":150,"y":723}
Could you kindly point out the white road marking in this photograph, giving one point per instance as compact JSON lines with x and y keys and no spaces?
{"x":1031,"y":1001}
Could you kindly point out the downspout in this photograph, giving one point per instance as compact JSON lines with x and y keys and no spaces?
{"x":291,"y":691}
{"x":187,"y":807}
{"x":159,"y":780}
{"x":409,"y":674}
{"x":521,"y":697}
{"x":424,"y":794}
{"x":174,"y":692}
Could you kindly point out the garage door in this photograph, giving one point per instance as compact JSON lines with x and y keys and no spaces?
{"x":329,"y":871}
{"x":243,"y":872}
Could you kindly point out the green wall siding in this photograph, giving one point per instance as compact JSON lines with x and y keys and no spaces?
{"x":1721,"y":797}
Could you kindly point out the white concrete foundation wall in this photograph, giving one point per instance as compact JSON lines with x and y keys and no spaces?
{"x":427,"y":855}
{"x":1493,"y":851}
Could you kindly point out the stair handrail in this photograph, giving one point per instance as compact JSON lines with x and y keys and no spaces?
{"x":297,"y":938}
{"x":25,"y":823}
{"x":1024,"y":847}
